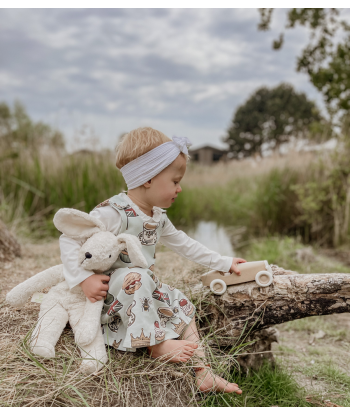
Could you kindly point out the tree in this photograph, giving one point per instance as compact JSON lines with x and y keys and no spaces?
{"x":326,"y":58}
{"x":270,"y":117}
{"x":18,"y":130}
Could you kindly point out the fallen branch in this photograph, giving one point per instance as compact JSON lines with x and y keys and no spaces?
{"x":248,"y":308}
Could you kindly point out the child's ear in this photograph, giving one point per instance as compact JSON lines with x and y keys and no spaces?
{"x":148,"y":184}
{"x":77,"y":224}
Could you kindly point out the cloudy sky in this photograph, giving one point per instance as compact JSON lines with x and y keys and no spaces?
{"x":183,"y":71}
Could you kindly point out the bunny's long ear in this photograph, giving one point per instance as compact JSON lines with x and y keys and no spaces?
{"x":77,"y":224}
{"x":133,"y":245}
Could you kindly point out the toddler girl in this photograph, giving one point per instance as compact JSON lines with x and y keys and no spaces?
{"x":139,"y":310}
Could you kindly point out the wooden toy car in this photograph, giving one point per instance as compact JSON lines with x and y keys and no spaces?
{"x":260,"y":271}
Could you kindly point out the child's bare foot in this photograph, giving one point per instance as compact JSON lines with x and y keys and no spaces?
{"x":173,"y":350}
{"x":207,"y":382}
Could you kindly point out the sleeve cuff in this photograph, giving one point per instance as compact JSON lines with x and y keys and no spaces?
{"x":226,"y":262}
{"x":83,"y":274}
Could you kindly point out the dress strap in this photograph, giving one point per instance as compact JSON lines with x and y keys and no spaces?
{"x":117,"y":203}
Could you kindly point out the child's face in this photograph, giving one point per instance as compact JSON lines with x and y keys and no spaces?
{"x":166,"y":185}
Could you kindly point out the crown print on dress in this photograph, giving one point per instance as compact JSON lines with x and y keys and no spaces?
{"x":142,"y":341}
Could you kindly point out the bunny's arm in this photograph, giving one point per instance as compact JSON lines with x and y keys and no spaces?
{"x":133,"y":245}
{"x":86,"y":329}
{"x":48,"y":278}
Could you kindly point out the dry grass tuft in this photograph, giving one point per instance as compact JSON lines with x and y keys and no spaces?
{"x":129,"y":379}
{"x":224,"y":173}
{"x":9,"y":247}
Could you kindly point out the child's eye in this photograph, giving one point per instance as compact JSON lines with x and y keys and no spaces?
{"x":176,"y":182}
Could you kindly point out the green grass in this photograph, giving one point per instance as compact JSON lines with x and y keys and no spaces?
{"x":337,"y":381}
{"x":262,"y":203}
{"x":282,"y":250}
{"x":285,"y":349}
{"x":315,"y":323}
{"x":270,"y":386}
{"x":33,"y":188}
{"x":315,"y":351}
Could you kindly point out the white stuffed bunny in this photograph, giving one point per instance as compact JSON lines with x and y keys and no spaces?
{"x":98,"y":253}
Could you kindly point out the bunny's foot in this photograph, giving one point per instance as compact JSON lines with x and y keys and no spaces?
{"x":43,"y":348}
{"x":94,"y":355}
{"x":92,"y":365}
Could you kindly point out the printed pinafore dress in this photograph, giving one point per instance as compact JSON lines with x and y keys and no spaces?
{"x":139,"y":310}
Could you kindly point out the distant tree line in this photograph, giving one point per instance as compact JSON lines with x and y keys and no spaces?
{"x":18,"y":131}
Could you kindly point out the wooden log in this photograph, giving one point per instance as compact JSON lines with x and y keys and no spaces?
{"x":9,"y":247}
{"x":249,"y":312}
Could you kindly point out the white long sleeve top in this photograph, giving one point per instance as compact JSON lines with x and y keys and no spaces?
{"x":172,"y":238}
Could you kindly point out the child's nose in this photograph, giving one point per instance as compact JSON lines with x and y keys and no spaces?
{"x":179,"y":190}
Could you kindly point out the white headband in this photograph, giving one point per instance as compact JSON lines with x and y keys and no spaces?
{"x":147,"y":166}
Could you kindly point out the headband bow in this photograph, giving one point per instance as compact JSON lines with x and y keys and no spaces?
{"x":182,"y":143}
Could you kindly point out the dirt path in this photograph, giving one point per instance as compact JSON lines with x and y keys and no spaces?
{"x":317,"y":351}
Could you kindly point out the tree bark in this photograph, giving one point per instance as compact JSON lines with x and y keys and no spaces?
{"x":247,"y":312}
{"x":9,"y":247}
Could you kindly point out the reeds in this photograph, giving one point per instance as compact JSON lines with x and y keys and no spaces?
{"x":34,"y":187}
{"x":267,"y":196}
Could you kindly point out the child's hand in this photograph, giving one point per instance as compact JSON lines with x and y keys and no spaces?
{"x":234,"y":267}
{"x":95,"y":287}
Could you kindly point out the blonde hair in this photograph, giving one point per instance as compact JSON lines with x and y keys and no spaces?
{"x":138,"y":142}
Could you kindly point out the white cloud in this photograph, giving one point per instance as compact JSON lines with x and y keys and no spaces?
{"x":183,"y":70}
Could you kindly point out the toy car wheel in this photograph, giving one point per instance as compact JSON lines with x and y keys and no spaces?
{"x":264,"y":278}
{"x":218,"y":286}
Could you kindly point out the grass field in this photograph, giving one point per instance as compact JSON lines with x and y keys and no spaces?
{"x":249,"y":193}
{"x":257,"y":196}
{"x":132,"y":379}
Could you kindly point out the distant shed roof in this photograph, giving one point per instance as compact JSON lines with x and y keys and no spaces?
{"x":208,"y":147}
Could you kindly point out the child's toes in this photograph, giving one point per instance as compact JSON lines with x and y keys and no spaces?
{"x":189,"y":348}
{"x":187,"y":354}
{"x":232,"y":387}
{"x":191,"y":345}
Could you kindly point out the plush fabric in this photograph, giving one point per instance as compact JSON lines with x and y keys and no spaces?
{"x":77,"y":224}
{"x":62,"y":304}
{"x":20,"y":294}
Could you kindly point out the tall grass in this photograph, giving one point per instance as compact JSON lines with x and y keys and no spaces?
{"x":268,"y":197}
{"x":33,"y":188}
{"x":262,"y":202}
